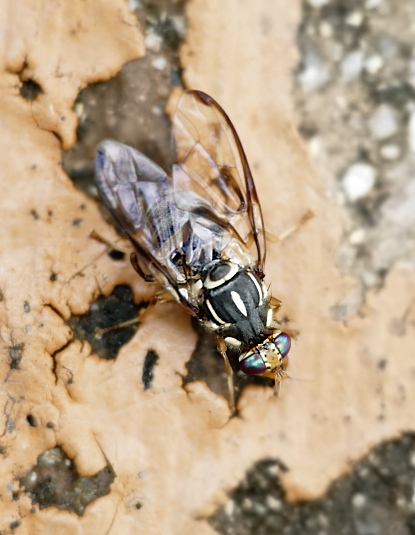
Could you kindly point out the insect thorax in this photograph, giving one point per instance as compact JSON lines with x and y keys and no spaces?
{"x":236,"y":303}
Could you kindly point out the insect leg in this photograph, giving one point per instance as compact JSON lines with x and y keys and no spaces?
{"x":115,"y":246}
{"x":229,"y":373}
{"x":134,"y":262}
{"x":287,"y":233}
{"x":275,"y":304}
{"x":160,"y":297}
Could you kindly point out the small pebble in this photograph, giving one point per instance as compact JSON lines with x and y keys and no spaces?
{"x":390,"y":152}
{"x":383,"y":122}
{"x":373,"y":64}
{"x":373,"y":4}
{"x":317,"y":3}
{"x":325,"y":29}
{"x":159,"y":63}
{"x":153,"y":41}
{"x":352,"y":65}
{"x":358,"y":236}
{"x":230,"y":508}
{"x":411,"y":132}
{"x":314,"y":146}
{"x":358,"y":181}
{"x":315,"y":72}
{"x":355,"y":19}
{"x":134,"y":4}
{"x":273,"y":503}
{"x":358,"y":501}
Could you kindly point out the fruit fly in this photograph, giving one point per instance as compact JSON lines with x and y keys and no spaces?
{"x":199,"y":233}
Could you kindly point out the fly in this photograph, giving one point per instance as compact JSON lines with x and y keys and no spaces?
{"x":199,"y":233}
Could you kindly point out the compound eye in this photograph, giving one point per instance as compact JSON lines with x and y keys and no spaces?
{"x":283,"y":343}
{"x":253,"y":365}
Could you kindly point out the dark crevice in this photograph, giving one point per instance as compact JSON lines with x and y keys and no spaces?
{"x":99,"y":326}
{"x":55,"y":310}
{"x":30,"y":89}
{"x":31,"y":420}
{"x":16,"y":355}
{"x":148,"y":369}
{"x":55,"y":363}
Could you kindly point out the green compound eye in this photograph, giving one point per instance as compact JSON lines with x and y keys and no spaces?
{"x":253,"y":365}
{"x":283,"y":343}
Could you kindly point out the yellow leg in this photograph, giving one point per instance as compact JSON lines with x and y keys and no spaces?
{"x":115,"y":246}
{"x":229,"y":373}
{"x":161,"y":297}
{"x":289,"y":231}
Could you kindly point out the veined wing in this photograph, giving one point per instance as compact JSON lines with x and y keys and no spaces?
{"x":139,"y":196}
{"x":211,"y":163}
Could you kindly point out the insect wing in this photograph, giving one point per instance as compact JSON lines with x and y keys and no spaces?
{"x":138,"y":194}
{"x":211,"y":162}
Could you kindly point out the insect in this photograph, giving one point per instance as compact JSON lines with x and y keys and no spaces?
{"x":199,"y":233}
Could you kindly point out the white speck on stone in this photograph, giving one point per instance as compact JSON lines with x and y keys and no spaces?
{"x":153,"y":41}
{"x":355,"y":19}
{"x":383,"y":122}
{"x":314,"y":146}
{"x":315,"y":72}
{"x":134,"y":4}
{"x":179,"y":24}
{"x":79,"y":109}
{"x":317,"y":3}
{"x":411,"y":132}
{"x":358,"y":236}
{"x":370,"y":279}
{"x":373,"y":64}
{"x":335,"y":50}
{"x":156,"y":110}
{"x":159,"y":63}
{"x":325,"y":29}
{"x":358,"y":181}
{"x":352,"y":65}
{"x":359,"y":501}
{"x":32,"y":478}
{"x":273,"y":503}
{"x":341,"y":102}
{"x":273,"y":470}
{"x":373,"y":4}
{"x":411,"y":69}
{"x":230,"y":508}
{"x":399,"y":208}
{"x":247,"y":504}
{"x":412,"y":459}
{"x":401,"y":502}
{"x":390,"y":152}
{"x":388,"y":47}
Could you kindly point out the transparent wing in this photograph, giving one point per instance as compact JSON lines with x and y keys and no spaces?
{"x":211,"y":163}
{"x":138,"y":194}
